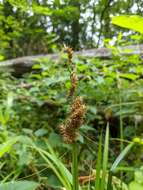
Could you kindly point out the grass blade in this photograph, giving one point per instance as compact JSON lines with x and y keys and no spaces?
{"x":121,"y":156}
{"x":105,"y":158}
{"x":116,"y":163}
{"x":57,"y":166}
{"x":99,"y":166}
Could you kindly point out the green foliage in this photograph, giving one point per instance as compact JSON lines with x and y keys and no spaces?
{"x":57,"y":166}
{"x":6,"y":146}
{"x":138,"y":180}
{"x":121,"y":157}
{"x":40,"y":95}
{"x":132,"y":22}
{"x":15,"y":185}
{"x":33,"y":106}
{"x":39,"y":27}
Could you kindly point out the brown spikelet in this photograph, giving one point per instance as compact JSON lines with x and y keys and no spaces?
{"x":74,"y":82}
{"x":69,"y":129}
{"x":72,"y":69}
{"x":62,"y":129}
{"x":70,"y":53}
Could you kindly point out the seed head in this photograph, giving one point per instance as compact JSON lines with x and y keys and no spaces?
{"x":69,"y":129}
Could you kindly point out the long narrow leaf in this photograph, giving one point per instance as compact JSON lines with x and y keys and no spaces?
{"x":57,"y":166}
{"x":105,"y":159}
{"x":109,"y":183}
{"x":121,"y":156}
{"x":64,"y":171}
{"x":116,"y":163}
{"x":57,"y":173}
{"x":98,"y":166}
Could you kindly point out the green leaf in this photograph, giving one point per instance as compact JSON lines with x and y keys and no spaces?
{"x":41,"y":132}
{"x":36,"y":66}
{"x":133,"y":22}
{"x":121,"y":156}
{"x":19,"y":185}
{"x":53,"y":182}
{"x":41,"y":10}
{"x":105,"y":158}
{"x":93,"y":109}
{"x":1,"y":57}
{"x":57,"y":166}
{"x":138,"y":175}
{"x":6,"y":146}
{"x":99,"y":166}
{"x":135,"y":186}
{"x":129,"y":76}
{"x":54,"y":139}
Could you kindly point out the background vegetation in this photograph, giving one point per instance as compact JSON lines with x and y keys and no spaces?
{"x":33,"y":27}
{"x":33,"y":154}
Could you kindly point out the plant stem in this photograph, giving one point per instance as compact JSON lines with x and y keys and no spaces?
{"x":75,"y":166}
{"x":121,"y":132}
{"x":121,"y":122}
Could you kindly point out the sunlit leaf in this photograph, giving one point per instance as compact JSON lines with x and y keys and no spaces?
{"x":6,"y":146}
{"x":133,"y":22}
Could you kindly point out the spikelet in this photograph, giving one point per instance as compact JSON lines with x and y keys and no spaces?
{"x":74,"y":81}
{"x":73,"y":75}
{"x":69,"y":129}
{"x":69,"y":51}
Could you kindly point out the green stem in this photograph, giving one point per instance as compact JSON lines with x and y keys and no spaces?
{"x":121,"y":121}
{"x":75,"y":166}
{"x":121,"y":132}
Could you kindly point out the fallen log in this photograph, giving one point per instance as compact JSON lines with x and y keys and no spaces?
{"x":24,"y":64}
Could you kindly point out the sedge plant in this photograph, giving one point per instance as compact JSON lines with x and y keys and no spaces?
{"x":69,"y":129}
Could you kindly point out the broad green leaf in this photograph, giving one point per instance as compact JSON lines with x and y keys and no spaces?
{"x":6,"y":146}
{"x":25,"y":6}
{"x":41,"y":132}
{"x":41,"y":10}
{"x":19,"y":185}
{"x":57,"y":139}
{"x":21,"y":4}
{"x":36,"y":66}
{"x":129,"y":76}
{"x":1,"y":57}
{"x":138,"y":176}
{"x":135,"y":186}
{"x":133,"y":22}
{"x":54,"y":182}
